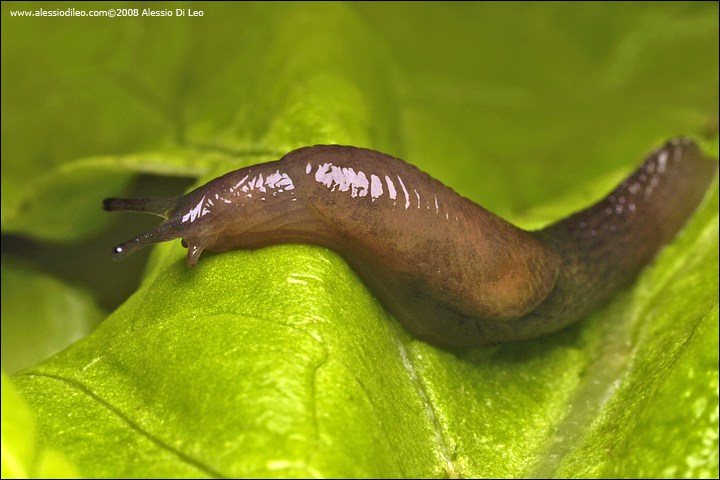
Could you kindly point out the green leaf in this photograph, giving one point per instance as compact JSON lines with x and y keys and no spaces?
{"x":40,"y":315}
{"x":279,"y":362}
{"x":23,"y":455}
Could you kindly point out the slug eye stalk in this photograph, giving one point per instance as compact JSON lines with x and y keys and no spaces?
{"x":162,"y":207}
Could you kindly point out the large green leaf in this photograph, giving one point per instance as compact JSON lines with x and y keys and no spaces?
{"x":23,"y":454}
{"x":51,"y":314}
{"x":279,"y":362}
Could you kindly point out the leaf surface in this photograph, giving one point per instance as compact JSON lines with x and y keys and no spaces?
{"x":279,"y":362}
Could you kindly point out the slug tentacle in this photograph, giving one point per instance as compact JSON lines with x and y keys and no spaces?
{"x":161,"y":207}
{"x":452,"y":273}
{"x":162,"y":233}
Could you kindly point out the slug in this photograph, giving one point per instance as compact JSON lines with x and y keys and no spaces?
{"x":454,"y":274}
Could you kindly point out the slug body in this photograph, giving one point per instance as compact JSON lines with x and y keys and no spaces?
{"x":454,"y":274}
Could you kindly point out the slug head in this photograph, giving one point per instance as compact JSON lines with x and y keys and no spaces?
{"x":174,"y":227}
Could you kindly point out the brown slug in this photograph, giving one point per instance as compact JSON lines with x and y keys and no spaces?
{"x":452,"y":273}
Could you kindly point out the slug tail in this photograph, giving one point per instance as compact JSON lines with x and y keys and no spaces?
{"x":162,"y":207}
{"x":605,"y":246}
